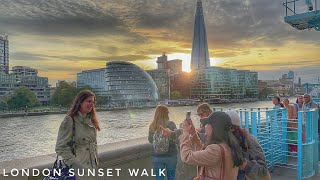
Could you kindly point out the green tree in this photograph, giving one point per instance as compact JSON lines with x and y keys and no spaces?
{"x":101,"y":100}
{"x":64,"y":94}
{"x":21,"y":98}
{"x":85,"y":88}
{"x":3,"y":105}
{"x":175,"y":95}
{"x":265,"y":92}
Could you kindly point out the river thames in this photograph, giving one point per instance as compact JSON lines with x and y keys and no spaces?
{"x":31,"y":136}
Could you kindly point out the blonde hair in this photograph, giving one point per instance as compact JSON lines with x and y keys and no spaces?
{"x":204,"y":108}
{"x":161,"y":116}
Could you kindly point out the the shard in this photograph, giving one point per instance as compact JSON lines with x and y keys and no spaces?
{"x":200,"y":56}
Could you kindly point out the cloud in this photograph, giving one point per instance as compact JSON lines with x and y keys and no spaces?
{"x":22,"y":56}
{"x":242,"y":34}
{"x":69,"y":18}
{"x":128,"y":58}
{"x":40,"y":57}
{"x":302,"y":64}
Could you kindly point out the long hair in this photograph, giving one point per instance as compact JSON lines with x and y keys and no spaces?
{"x":76,"y":105}
{"x":161,"y":116}
{"x":242,"y":136}
{"x":224,"y":135}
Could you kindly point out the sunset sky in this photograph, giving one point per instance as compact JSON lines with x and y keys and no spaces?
{"x":63,"y":37}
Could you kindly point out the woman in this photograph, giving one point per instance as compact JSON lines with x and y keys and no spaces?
{"x":164,"y":155}
{"x":77,"y":137}
{"x":255,"y":166}
{"x":220,"y":157}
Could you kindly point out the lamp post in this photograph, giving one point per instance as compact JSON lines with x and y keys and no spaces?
{"x":26,"y":111}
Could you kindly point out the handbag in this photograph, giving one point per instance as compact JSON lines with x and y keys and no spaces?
{"x":60,"y":170}
{"x":221,"y":177}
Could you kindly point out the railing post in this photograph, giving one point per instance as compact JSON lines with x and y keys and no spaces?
{"x":254,"y":130}
{"x":300,"y":117}
{"x":315,"y":118}
{"x":284,"y":132}
{"x":241,"y":118}
{"x":286,"y":7}
{"x":259,"y":119}
{"x":272,"y":116}
{"x":246,"y":116}
{"x":308,"y":126}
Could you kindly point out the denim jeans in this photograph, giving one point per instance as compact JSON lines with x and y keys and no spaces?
{"x":168,"y":163}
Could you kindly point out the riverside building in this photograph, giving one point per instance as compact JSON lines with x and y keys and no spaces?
{"x":94,"y":78}
{"x":27,"y":76}
{"x":129,"y":85}
{"x":4,"y":54}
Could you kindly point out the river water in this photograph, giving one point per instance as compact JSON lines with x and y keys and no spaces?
{"x":30,"y":136}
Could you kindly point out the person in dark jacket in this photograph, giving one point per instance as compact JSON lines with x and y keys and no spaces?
{"x":163,"y":158}
{"x":255,"y":166}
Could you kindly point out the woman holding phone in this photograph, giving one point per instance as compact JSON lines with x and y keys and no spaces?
{"x":220,"y":157}
{"x":164,"y":154}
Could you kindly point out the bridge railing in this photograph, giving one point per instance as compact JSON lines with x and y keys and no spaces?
{"x":287,"y":143}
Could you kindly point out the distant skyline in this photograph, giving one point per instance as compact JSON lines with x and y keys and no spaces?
{"x":63,"y":37}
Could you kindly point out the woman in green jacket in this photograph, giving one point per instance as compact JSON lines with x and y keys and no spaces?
{"x":77,"y":137}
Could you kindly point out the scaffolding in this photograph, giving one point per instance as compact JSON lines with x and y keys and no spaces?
{"x":303,"y":18}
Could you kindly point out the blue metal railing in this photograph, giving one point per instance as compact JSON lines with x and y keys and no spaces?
{"x":270,"y":127}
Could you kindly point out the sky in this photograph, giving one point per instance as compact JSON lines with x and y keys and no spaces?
{"x":63,"y":37}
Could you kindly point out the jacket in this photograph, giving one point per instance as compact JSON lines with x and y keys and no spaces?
{"x":85,"y":142}
{"x":256,"y":167}
{"x":210,"y":158}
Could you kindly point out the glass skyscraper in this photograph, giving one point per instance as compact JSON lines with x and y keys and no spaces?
{"x":217,"y":82}
{"x":4,"y":54}
{"x":94,"y":78}
{"x":200,"y":55}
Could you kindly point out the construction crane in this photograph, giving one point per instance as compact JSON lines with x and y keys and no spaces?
{"x":308,"y":19}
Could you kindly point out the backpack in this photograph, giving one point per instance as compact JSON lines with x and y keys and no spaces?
{"x":160,"y":143}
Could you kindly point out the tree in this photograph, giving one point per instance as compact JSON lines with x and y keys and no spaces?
{"x":64,"y":94}
{"x":21,"y":98}
{"x":265,"y":92}
{"x":175,"y":95}
{"x":85,"y":88}
{"x":101,"y":100}
{"x":3,"y":105}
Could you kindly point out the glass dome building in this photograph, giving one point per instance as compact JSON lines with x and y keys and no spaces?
{"x":129,"y":85}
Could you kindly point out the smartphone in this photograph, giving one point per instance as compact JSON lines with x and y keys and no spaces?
{"x":188,"y":117}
